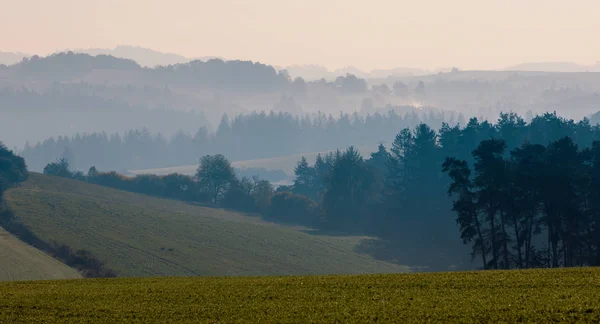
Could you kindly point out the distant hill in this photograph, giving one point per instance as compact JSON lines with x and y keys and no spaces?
{"x":316,"y":72}
{"x":136,"y":235}
{"x":554,"y":67}
{"x":20,"y":261}
{"x":8,"y":58}
{"x":143,"y":56}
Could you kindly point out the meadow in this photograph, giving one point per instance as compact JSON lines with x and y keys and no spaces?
{"x":540,"y":296}
{"x":137,"y":235}
{"x":20,"y":261}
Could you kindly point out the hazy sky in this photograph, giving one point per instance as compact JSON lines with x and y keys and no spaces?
{"x":366,"y":34}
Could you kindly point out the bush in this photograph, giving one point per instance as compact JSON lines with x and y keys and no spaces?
{"x":286,"y":207}
{"x":60,"y":168}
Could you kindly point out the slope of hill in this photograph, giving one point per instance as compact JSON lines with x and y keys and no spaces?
{"x":137,"y":235}
{"x":20,"y":261}
{"x":536,"y":296}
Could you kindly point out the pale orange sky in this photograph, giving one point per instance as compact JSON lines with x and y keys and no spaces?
{"x":367,"y":34}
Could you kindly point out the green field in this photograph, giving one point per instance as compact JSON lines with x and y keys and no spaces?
{"x":540,"y":296}
{"x":137,"y":235}
{"x":20,"y":261}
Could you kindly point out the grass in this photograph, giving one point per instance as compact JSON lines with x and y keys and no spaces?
{"x":19,"y":261}
{"x":540,"y":296}
{"x":137,"y":235}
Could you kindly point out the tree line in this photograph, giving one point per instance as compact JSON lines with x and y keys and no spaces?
{"x":537,"y":206}
{"x":243,"y":137}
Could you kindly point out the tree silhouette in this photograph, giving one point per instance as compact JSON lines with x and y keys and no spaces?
{"x":12,"y":169}
{"x":215,"y":175}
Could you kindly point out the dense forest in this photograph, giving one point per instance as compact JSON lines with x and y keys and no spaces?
{"x":529,"y":201}
{"x":243,"y":137}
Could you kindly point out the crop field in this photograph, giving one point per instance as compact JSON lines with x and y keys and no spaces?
{"x":540,"y":296}
{"x":20,"y":261}
{"x":137,"y":235}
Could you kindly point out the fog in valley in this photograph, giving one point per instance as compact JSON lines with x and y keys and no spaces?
{"x":66,"y":97}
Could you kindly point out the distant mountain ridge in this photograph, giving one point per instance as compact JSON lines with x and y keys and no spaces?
{"x":312,"y":72}
{"x":554,"y":67}
{"x":143,"y":56}
{"x":148,"y":57}
{"x":10,"y":58}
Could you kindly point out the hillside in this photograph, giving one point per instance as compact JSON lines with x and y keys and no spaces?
{"x":20,"y":261}
{"x":538,"y":296}
{"x":138,"y":235}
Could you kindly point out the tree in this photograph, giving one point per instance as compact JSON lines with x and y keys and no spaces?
{"x":414,"y":179}
{"x":351,"y":187}
{"x":60,"y":168}
{"x":560,"y":198}
{"x":465,"y":206}
{"x":12,"y":169}
{"x":380,"y":160}
{"x":92,"y":172}
{"x":262,"y":192}
{"x":305,"y":182}
{"x":490,"y":179}
{"x":215,"y":175}
{"x":526,"y":169}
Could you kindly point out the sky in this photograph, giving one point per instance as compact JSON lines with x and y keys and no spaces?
{"x":374,"y":34}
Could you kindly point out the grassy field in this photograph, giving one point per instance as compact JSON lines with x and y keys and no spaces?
{"x":540,"y":296}
{"x":20,"y":261}
{"x":137,"y":235}
{"x":285,"y":163}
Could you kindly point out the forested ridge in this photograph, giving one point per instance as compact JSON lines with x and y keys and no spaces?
{"x":242,"y":137}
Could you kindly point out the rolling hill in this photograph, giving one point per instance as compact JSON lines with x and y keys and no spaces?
{"x":137,"y":235}
{"x":20,"y":261}
{"x":535,"y":296}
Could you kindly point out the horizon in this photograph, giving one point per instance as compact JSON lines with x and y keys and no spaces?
{"x":468,"y":35}
{"x":88,"y":51}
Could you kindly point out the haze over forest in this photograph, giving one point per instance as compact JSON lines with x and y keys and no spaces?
{"x":73,"y":93}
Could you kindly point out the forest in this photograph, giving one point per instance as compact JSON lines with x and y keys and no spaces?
{"x":519,"y":194}
{"x":242,"y":137}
